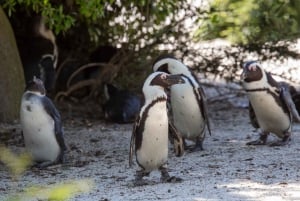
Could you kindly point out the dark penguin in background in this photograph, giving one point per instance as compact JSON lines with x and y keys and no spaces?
{"x":122,"y":106}
{"x":188,"y":101}
{"x":38,"y":52}
{"x":41,"y":126}
{"x":150,"y":132}
{"x":270,"y":104}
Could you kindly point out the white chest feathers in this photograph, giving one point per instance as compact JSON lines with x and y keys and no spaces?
{"x":187,"y":115}
{"x":153,"y":152}
{"x":38,"y":130}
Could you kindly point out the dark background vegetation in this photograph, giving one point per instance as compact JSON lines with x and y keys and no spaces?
{"x":122,"y":38}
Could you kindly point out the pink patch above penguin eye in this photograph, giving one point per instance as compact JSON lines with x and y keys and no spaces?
{"x":163,"y":76}
{"x":252,"y":68}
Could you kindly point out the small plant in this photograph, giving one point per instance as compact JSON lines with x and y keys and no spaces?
{"x":17,"y":165}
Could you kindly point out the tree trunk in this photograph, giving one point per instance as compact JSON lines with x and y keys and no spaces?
{"x":11,"y":73}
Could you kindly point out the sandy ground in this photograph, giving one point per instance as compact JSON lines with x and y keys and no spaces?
{"x":226,"y":170}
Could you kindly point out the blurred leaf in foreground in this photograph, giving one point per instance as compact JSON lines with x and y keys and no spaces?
{"x":16,"y":164}
{"x":57,"y":192}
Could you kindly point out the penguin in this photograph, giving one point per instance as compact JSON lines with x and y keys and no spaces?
{"x":295,"y":98}
{"x":294,"y":93}
{"x":188,"y":102}
{"x":39,"y":52}
{"x":121,"y":106}
{"x":41,"y":126}
{"x":150,"y":130}
{"x":271,"y":104}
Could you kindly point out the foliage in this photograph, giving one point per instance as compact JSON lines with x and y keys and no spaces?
{"x":58,"y":192}
{"x":54,"y":14}
{"x":251,"y":21}
{"x":16,"y":164}
{"x":61,"y":16}
{"x":143,"y":29}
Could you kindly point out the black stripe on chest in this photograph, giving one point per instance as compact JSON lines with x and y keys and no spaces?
{"x":275,"y":95}
{"x":197,"y":93}
{"x":141,"y":127}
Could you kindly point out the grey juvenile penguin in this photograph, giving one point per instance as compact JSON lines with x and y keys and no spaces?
{"x":188,"y":101}
{"x":150,"y":132}
{"x":271,"y":107}
{"x":41,"y":126}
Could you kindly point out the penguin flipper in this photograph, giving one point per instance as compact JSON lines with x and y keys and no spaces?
{"x":132,"y":141}
{"x":288,"y":101}
{"x":178,"y":142}
{"x":52,"y":111}
{"x":252,"y":116}
{"x":203,"y":106}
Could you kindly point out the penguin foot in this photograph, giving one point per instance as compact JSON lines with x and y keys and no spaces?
{"x":283,"y":142}
{"x":142,"y":182}
{"x":261,"y":141}
{"x":195,"y":148}
{"x":278,"y":143}
{"x":256,"y":142}
{"x":43,"y":165}
{"x":139,"y":181}
{"x":171,"y":179}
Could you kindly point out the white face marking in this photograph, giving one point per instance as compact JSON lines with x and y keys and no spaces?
{"x":163,"y":76}
{"x":174,"y":66}
{"x":253,"y":67}
{"x":152,"y":92}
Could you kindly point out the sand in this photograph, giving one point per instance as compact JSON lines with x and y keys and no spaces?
{"x":226,"y":170}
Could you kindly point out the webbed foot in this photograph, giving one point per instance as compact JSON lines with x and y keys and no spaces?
{"x":142,"y":182}
{"x":139,"y":181}
{"x":172,"y":179}
{"x":166,"y":178}
{"x":261,"y":141}
{"x":256,"y":142}
{"x":285,"y":140}
{"x":44,"y":164}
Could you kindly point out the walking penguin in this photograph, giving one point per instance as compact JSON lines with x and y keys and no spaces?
{"x":270,"y":104}
{"x":150,"y":132}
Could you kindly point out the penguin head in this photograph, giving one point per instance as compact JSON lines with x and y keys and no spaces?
{"x":169,"y":64}
{"x":165,"y":80}
{"x":252,"y":71}
{"x":158,"y":81}
{"x":36,"y":86}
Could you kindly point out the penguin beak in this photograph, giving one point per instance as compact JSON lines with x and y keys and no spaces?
{"x":174,"y":79}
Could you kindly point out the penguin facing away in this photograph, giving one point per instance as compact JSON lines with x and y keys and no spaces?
{"x":271,"y":106}
{"x":150,"y":131}
{"x":121,"y":106}
{"x":41,"y":126}
{"x":39,"y":53}
{"x":188,"y":101}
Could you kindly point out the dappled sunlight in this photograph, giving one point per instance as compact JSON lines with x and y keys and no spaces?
{"x":249,"y":191}
{"x":257,"y":191}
